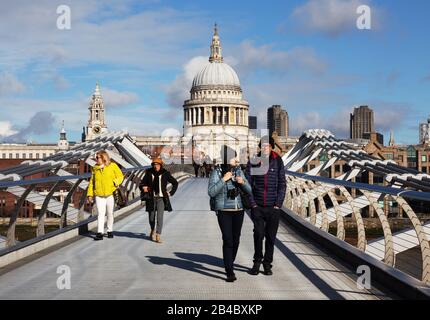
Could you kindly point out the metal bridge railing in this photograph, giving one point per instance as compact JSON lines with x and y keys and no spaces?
{"x":68,"y":211}
{"x":322,"y":201}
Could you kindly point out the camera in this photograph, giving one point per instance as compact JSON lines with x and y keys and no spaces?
{"x":234,"y":173}
{"x":232,"y":193}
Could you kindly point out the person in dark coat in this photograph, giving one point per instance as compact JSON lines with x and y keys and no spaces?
{"x":207,"y":164}
{"x":154,"y":192}
{"x":268,"y":182}
{"x":196,"y":169}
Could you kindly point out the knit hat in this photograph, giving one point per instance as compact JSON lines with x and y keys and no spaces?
{"x":265,"y":139}
{"x":157,"y":160}
{"x":227,"y":154}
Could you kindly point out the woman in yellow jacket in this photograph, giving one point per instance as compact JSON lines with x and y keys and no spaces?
{"x":105,"y":179}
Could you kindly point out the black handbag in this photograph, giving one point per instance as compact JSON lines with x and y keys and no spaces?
{"x":120,"y":197}
{"x":145,"y":196}
{"x":245,"y":199}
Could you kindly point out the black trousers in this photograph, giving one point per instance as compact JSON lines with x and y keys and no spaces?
{"x":230,"y":223}
{"x":266,"y":223}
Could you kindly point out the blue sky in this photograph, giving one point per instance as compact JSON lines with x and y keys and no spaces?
{"x":305,"y":55}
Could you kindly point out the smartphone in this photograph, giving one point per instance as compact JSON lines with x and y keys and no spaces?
{"x":233,"y":172}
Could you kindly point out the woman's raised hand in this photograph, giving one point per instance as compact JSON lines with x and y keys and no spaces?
{"x":240,"y":180}
{"x":227,"y":176}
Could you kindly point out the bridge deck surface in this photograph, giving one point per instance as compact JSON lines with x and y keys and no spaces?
{"x":188,"y":265}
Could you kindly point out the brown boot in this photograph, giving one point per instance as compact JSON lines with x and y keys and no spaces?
{"x":158,"y":239}
{"x":152,"y":235}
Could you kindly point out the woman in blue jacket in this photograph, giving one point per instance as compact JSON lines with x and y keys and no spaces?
{"x":226,"y":184}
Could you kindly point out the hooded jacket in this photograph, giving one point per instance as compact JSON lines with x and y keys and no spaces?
{"x":104,"y":181}
{"x":218,"y":189}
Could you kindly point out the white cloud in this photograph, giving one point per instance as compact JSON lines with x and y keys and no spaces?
{"x":139,"y":120}
{"x":142,"y":124}
{"x":6,"y":129}
{"x":250,"y":58}
{"x":387,"y":116}
{"x":60,"y":82}
{"x":101,"y":32}
{"x":331,"y":17}
{"x":171,"y":132}
{"x":113,"y":98}
{"x":390,"y":115}
{"x":337,"y":123}
{"x":40,"y":123}
{"x":9,"y":84}
{"x":18,"y":111}
{"x":178,"y":91}
{"x":109,"y":35}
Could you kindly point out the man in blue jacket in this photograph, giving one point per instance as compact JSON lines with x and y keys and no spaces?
{"x":267,"y":178}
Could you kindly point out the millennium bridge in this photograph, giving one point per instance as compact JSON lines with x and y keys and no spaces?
{"x":317,"y":256}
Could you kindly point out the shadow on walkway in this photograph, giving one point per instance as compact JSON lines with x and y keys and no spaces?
{"x":89,"y":234}
{"x":132,"y":235}
{"x":207,"y":259}
{"x":310,"y":274}
{"x":186,"y":265}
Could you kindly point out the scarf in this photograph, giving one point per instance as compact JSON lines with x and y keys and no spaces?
{"x":156,"y":182}
{"x":225,"y":168}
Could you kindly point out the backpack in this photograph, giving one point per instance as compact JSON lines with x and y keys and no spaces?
{"x":212,"y":200}
{"x":212,"y":203}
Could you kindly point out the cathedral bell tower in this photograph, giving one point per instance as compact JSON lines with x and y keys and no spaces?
{"x":63,"y":144}
{"x":216,"y":49}
{"x":96,"y":122}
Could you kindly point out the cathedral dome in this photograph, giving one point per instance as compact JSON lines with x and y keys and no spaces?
{"x":216,"y":73}
{"x":216,"y":104}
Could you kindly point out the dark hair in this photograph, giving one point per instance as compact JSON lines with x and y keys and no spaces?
{"x":227,"y":154}
{"x":267,"y":138}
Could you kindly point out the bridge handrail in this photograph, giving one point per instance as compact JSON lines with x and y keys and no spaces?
{"x":131,"y":182}
{"x":411,"y":194}
{"x":308,"y":196}
{"x":13,"y":250}
{"x":8,"y":184}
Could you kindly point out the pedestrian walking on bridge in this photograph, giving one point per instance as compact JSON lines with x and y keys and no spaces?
{"x":154,"y":192}
{"x":227,"y":187}
{"x":267,"y":178}
{"x":106,"y":177}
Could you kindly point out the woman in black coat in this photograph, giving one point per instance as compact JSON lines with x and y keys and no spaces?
{"x":153,"y":189}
